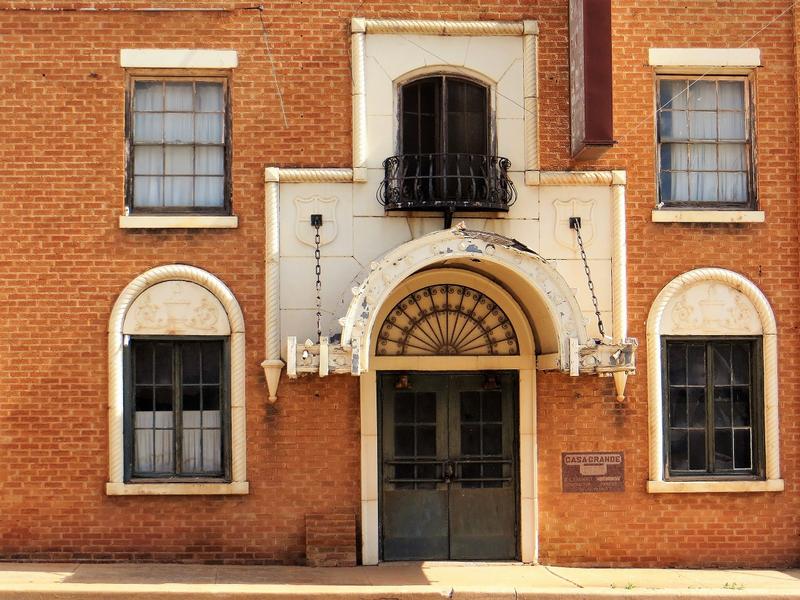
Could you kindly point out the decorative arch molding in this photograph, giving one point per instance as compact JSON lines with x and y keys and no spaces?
{"x":657,"y":318}
{"x":116,"y":339}
{"x":548,"y":294}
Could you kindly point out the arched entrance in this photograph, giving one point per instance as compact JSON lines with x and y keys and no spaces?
{"x":450,"y":396}
{"x":447,"y":354}
{"x":549,"y":330}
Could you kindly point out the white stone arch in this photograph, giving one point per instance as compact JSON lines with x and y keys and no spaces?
{"x":544,"y":295}
{"x":765,"y":326}
{"x":117,"y":329}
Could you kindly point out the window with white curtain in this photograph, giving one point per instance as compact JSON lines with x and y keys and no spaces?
{"x":705,"y":142}
{"x":177,"y":408}
{"x":178,"y":150}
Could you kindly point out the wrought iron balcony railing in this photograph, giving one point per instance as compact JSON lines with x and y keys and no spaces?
{"x":447,"y":183}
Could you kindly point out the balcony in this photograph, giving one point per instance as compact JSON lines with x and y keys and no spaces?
{"x":447,"y":183}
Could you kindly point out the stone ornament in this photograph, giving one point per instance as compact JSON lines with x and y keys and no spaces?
{"x":710,"y":308}
{"x":574,"y":207}
{"x":176,"y":308}
{"x":316,"y":205}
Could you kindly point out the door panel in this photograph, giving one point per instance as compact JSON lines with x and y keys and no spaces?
{"x":414,"y":498}
{"x":481,"y":442}
{"x":449,"y":466}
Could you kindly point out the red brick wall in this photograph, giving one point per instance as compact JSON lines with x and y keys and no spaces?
{"x":331,"y":539}
{"x":63,"y":260}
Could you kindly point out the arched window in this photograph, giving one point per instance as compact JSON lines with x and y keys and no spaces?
{"x":176,"y":386}
{"x":445,"y":115}
{"x":446,"y":160}
{"x":444,"y":137}
{"x":712,"y":386}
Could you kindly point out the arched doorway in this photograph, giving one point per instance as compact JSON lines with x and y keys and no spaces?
{"x":452,"y":379}
{"x":538,"y":303}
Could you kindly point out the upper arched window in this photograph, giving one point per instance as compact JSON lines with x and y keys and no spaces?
{"x":445,"y":161}
{"x":444,"y":115}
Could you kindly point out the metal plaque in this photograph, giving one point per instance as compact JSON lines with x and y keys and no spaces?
{"x":593,"y":471}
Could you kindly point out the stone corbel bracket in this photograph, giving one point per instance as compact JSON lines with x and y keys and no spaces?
{"x":321,"y":359}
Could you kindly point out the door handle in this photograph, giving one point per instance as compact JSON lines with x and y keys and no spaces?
{"x":449,"y":471}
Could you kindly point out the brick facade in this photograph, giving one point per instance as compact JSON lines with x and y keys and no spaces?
{"x":64,"y":260}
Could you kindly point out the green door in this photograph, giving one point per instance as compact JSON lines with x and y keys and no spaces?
{"x":449,"y":470}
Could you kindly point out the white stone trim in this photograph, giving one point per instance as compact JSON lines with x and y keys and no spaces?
{"x":174,"y":272}
{"x":370,"y":453}
{"x":533,"y":272}
{"x":361,"y":27}
{"x":184,"y":58}
{"x":178,"y":222}
{"x":423,"y":27}
{"x":177,"y":489}
{"x":705,"y":57}
{"x":708,"y":216}
{"x":654,"y":381}
{"x":701,"y":487}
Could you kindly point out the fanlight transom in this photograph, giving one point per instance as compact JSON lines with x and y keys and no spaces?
{"x":447,"y":320}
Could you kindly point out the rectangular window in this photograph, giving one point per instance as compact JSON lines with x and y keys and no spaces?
{"x":705,"y":143}
{"x":177,"y":425}
{"x":178,"y":145}
{"x":713,"y":407}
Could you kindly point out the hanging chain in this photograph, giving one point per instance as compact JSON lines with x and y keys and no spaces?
{"x":575,"y":223}
{"x":317,"y":223}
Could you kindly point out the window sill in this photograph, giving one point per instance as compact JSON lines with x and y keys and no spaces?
{"x":708,"y":216}
{"x":690,"y":487}
{"x":178,"y":222}
{"x":177,"y":489}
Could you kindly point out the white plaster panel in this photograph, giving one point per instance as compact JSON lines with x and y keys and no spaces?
{"x":511,"y":142}
{"x":592,"y":204}
{"x":442,"y":50}
{"x":380,"y":89}
{"x":380,"y":139}
{"x":527,"y":204}
{"x":337,"y":235}
{"x":710,"y":308}
{"x":590,"y":320}
{"x":374,"y":236}
{"x":573,"y":272}
{"x":510,"y":100}
{"x":524,"y":230}
{"x":302,"y":323}
{"x":395,"y":54}
{"x":365,"y":201}
{"x":494,"y":55}
{"x":176,"y":308}
{"x":419,"y":226}
{"x":298,"y":283}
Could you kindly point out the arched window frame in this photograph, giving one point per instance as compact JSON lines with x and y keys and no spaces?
{"x":460,"y":73}
{"x":731,"y":279}
{"x":116,"y":485}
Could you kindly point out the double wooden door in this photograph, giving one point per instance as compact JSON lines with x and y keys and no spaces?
{"x":449,"y":466}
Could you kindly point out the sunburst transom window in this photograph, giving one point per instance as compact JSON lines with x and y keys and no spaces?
{"x":447,"y":320}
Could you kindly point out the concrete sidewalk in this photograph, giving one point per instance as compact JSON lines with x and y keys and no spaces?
{"x":469,"y":581}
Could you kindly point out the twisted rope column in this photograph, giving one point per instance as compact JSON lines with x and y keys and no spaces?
{"x":575,"y":178}
{"x":530,"y":71}
{"x":358,"y":58}
{"x":443,"y":27}
{"x":272,"y":285}
{"x":116,"y":466}
{"x":619,"y":264}
{"x":311,"y":175}
{"x":770,"y":358}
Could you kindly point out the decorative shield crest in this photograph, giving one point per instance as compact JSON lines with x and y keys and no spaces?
{"x":574,"y":207}
{"x":316,"y":205}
